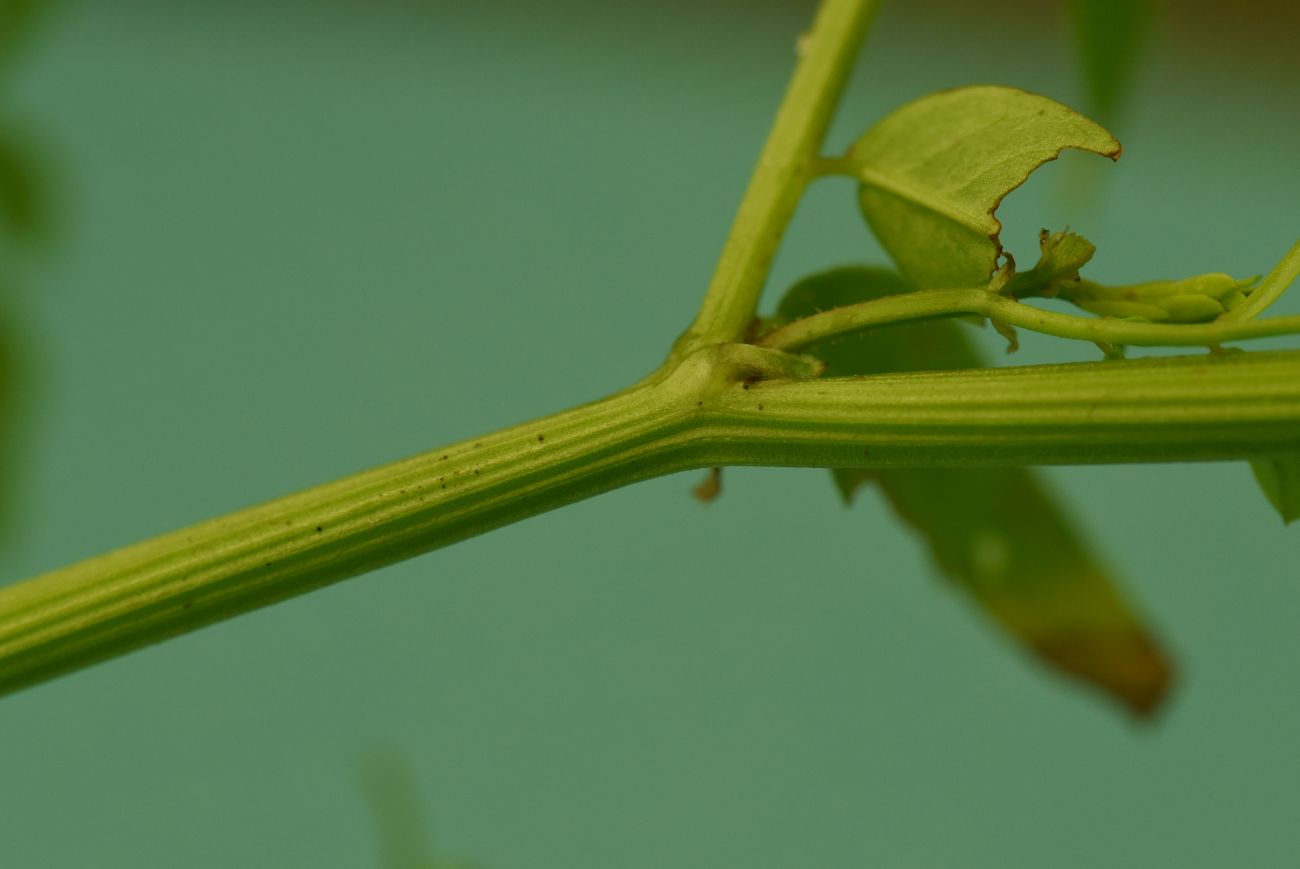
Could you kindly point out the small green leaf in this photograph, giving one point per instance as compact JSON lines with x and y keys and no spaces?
{"x":1061,"y":256}
{"x":934,"y":171}
{"x":994,"y":532}
{"x":1280,"y":480}
{"x":1109,"y":35}
{"x":837,"y":287}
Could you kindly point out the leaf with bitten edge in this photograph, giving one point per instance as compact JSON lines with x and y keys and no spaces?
{"x":933,"y":173}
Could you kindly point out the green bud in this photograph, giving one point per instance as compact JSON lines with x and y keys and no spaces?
{"x":1190,"y":300}
{"x":1061,"y":255}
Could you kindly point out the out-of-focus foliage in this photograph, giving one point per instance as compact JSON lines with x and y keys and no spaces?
{"x":1280,"y":480}
{"x":996,"y":533}
{"x":17,"y":18}
{"x":24,"y":219}
{"x":1109,"y":36}
{"x":23,"y":209}
{"x":401,"y":824}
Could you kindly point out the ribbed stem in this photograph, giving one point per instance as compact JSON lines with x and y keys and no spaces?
{"x":715,"y":409}
{"x":172,"y":584}
{"x":1191,"y":408}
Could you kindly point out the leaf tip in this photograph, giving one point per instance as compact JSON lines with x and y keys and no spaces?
{"x":1280,"y":481}
{"x":1129,"y":667}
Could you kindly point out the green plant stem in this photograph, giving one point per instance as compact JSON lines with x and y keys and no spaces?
{"x":216,"y":569}
{"x":1171,"y":409}
{"x":169,"y":585}
{"x":1270,"y":289}
{"x":714,"y":402}
{"x":785,"y":167}
{"x":718,"y":407}
{"x":925,"y":304}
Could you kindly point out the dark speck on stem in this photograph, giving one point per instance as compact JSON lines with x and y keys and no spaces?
{"x":541,"y":438}
{"x":319,"y":529}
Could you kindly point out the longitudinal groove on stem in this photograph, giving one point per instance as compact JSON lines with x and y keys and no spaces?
{"x":714,"y":402}
{"x":219,"y":568}
{"x":1195,"y":408}
{"x":1180,"y":409}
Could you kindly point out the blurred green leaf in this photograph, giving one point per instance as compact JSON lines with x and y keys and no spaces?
{"x":23,"y":211}
{"x":1280,"y":480}
{"x":11,"y":414}
{"x":994,"y":532}
{"x":934,"y":171}
{"x":24,"y":218}
{"x":1109,"y":36}
{"x":402,"y":828}
{"x":17,"y":17}
{"x":848,"y":354}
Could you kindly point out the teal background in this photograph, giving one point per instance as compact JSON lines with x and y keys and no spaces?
{"x":304,"y":239}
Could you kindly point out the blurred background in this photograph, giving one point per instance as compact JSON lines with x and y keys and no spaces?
{"x":289,"y":241}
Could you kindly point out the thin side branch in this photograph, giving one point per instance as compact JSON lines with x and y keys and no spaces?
{"x":925,"y":304}
{"x":785,"y":167}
